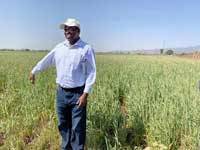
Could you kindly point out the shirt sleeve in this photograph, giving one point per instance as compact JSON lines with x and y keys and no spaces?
{"x":90,"y":70}
{"x":45,"y":62}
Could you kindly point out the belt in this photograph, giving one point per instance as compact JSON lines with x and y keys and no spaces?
{"x":75,"y":89}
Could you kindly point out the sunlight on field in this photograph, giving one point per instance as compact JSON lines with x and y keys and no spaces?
{"x":137,"y":102}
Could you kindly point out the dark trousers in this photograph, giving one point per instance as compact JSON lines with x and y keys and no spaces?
{"x":71,"y":119}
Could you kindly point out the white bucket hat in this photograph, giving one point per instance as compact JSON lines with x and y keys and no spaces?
{"x":71,"y":22}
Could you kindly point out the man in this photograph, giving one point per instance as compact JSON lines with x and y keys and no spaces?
{"x":76,"y":72}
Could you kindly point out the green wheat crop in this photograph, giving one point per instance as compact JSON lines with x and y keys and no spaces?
{"x":136,"y":102}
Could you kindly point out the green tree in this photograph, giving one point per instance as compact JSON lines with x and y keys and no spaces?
{"x":169,"y":52}
{"x":161,"y":51}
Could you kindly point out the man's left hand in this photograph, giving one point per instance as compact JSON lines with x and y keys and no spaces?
{"x":82,"y":100}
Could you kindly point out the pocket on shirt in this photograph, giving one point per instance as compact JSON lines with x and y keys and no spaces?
{"x":75,"y":60}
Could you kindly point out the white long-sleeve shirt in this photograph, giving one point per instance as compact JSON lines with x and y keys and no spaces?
{"x":75,"y":65}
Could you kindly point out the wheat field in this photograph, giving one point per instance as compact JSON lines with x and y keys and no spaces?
{"x":137,"y":102}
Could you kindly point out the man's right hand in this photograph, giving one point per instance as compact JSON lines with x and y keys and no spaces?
{"x":32,"y":78}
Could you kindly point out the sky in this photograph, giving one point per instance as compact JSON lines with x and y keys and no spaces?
{"x":108,"y":25}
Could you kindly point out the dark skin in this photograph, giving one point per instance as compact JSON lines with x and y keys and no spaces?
{"x":72,"y":35}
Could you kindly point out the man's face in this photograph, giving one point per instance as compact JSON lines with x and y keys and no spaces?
{"x":71,"y":33}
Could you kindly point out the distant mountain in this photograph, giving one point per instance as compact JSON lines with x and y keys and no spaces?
{"x":179,"y":50}
{"x":187,"y":49}
{"x":149,"y":51}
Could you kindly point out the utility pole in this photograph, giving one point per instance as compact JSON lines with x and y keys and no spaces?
{"x":163,"y":44}
{"x":163,"y":48}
